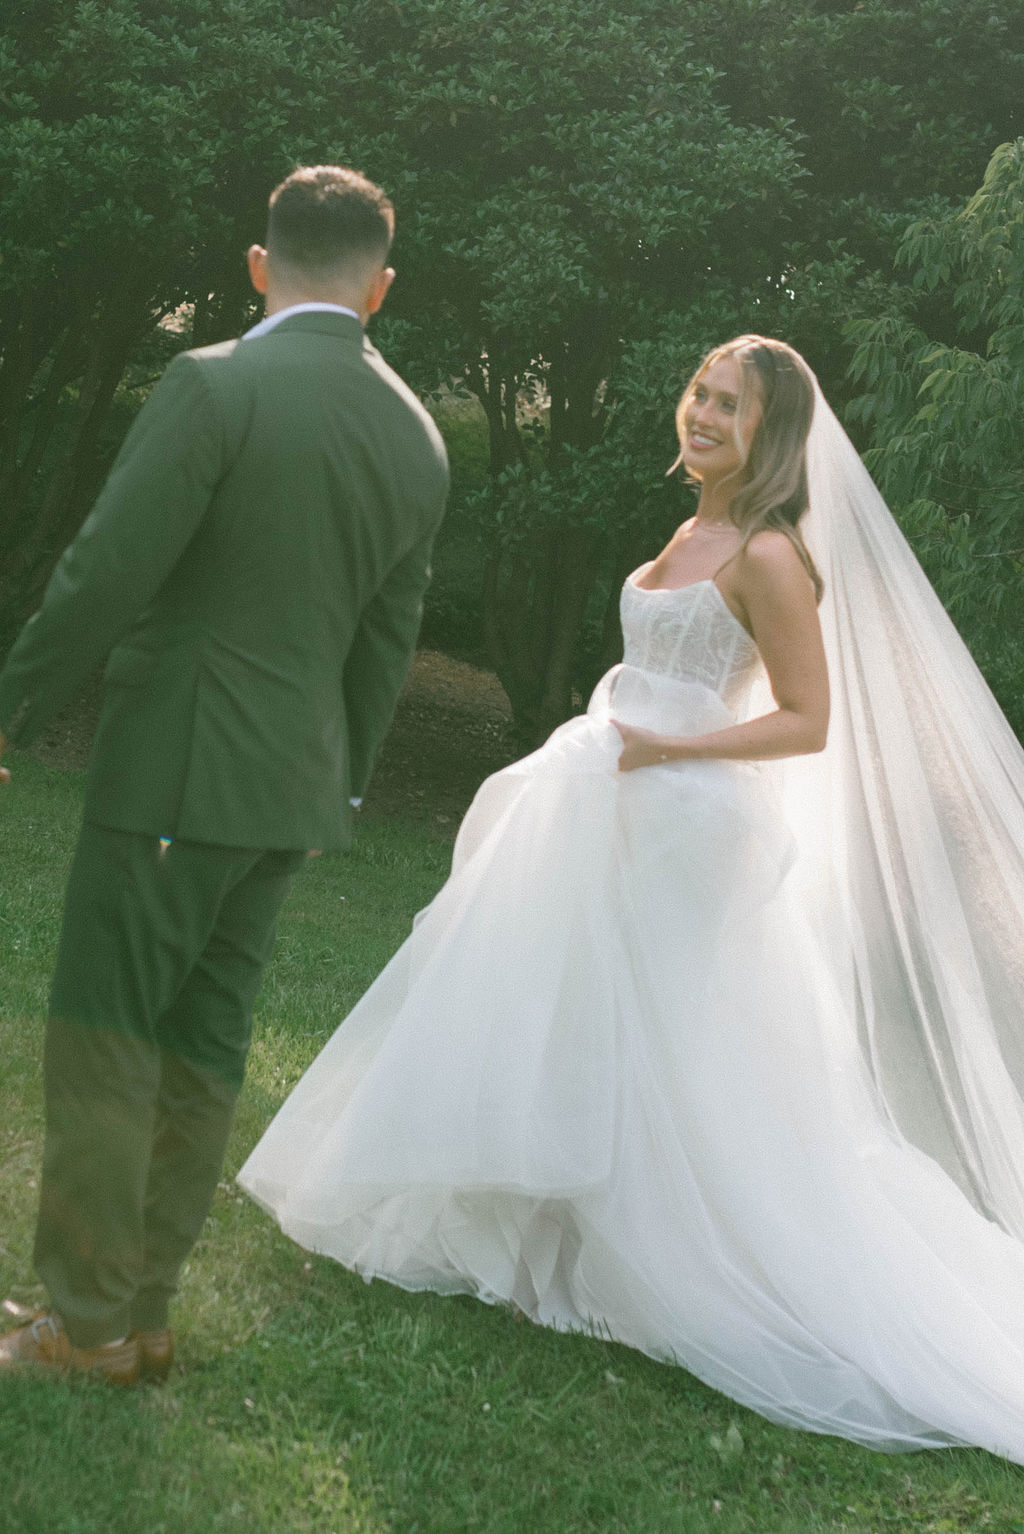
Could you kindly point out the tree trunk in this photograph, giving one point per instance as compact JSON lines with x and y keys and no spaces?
{"x":536,"y":591}
{"x":29,"y":559}
{"x":534,"y":601}
{"x":26,"y":339}
{"x":66,"y":365}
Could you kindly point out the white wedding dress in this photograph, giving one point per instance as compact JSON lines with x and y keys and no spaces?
{"x":612,"y":1078}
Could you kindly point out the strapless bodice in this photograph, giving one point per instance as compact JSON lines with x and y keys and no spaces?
{"x":687,"y":633}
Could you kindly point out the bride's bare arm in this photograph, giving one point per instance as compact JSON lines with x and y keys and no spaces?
{"x":774,"y":592}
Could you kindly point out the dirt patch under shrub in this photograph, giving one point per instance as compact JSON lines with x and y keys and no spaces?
{"x":452,"y":727}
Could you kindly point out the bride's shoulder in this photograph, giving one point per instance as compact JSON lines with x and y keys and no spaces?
{"x":769,"y":552}
{"x":770,"y":563}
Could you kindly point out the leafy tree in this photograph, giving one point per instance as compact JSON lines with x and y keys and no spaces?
{"x":573,"y":181}
{"x":137,"y":145}
{"x":587,"y":199}
{"x":597,"y":198}
{"x":946,"y":414}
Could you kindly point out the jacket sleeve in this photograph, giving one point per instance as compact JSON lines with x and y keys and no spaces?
{"x":147,"y":512}
{"x":379,"y":656}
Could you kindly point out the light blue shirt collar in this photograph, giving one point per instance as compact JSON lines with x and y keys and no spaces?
{"x":285,"y":314}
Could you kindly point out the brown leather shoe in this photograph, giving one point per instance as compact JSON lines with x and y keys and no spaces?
{"x":43,"y":1344}
{"x":156,"y":1352}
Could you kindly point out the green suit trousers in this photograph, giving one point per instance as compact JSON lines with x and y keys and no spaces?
{"x":160,"y":958}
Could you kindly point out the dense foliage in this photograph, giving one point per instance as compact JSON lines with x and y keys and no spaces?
{"x":611,"y":195}
{"x":587,"y":199}
{"x":946,"y":404}
{"x":137,"y":146}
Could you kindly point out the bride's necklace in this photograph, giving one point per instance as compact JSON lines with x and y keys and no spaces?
{"x":714,"y":527}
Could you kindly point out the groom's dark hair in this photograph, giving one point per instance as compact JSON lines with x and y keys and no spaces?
{"x":326,"y":216}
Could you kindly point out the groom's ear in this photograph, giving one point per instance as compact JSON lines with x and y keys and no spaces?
{"x":378,"y":289}
{"x":256,"y":257}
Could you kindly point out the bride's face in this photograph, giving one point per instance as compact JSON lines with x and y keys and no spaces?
{"x":716,"y":438}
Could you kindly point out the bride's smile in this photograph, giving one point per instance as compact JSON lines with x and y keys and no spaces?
{"x":717,"y":437}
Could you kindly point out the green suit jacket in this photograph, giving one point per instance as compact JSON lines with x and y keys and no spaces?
{"x":255,"y":565}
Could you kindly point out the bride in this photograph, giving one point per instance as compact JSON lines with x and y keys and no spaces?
{"x":712,"y":1042}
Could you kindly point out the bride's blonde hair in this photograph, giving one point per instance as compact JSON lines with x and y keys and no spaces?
{"x":773,"y":492}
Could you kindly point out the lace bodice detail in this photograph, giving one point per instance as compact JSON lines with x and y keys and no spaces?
{"x":688,"y":633}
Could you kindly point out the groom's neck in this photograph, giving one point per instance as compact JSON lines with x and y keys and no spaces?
{"x":286,"y":298}
{"x":359,"y":286}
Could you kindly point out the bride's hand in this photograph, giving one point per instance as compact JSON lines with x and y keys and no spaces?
{"x":640,"y":748}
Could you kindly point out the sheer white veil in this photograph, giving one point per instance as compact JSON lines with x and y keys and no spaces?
{"x":911,"y":832}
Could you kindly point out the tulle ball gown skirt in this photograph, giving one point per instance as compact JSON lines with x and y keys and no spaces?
{"x":608,"y":1079}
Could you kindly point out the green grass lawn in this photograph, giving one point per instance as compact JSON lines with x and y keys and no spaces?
{"x":307,"y":1400}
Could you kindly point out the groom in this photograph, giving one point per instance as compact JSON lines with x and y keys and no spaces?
{"x":255,"y":565}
